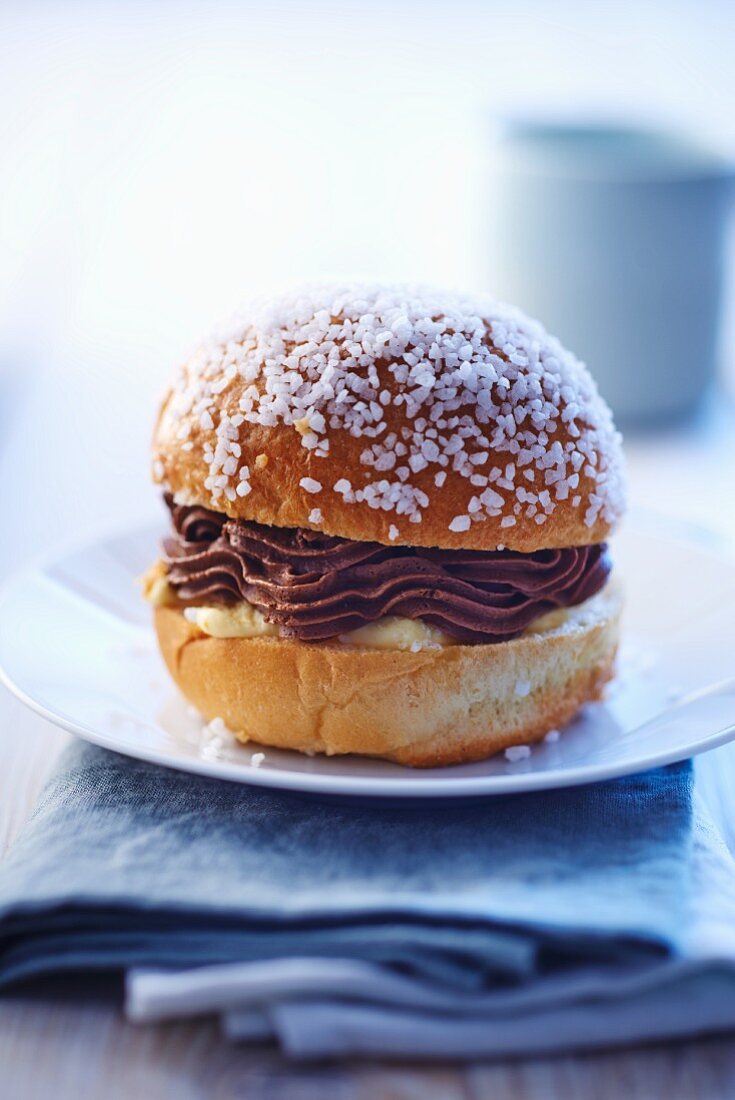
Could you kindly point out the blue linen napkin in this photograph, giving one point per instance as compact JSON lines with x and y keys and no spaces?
{"x":543,"y":921}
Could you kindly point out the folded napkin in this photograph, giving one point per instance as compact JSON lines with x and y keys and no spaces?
{"x":530,"y":923}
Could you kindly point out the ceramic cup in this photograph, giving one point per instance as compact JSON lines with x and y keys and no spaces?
{"x":614,"y":237}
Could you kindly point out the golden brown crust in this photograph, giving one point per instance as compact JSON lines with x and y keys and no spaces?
{"x":277,"y":497}
{"x":429,"y":708}
{"x":277,"y":460}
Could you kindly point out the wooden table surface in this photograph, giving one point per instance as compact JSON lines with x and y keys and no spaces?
{"x":73,"y":1044}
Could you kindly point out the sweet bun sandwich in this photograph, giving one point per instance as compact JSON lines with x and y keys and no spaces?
{"x":389,"y":509}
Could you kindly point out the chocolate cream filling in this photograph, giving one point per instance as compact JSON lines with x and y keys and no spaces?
{"x":315,"y":586}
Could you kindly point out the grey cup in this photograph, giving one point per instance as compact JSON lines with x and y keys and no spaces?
{"x":614,"y":238}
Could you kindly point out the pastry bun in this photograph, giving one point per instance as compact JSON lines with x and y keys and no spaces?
{"x":396,"y":415}
{"x":433,"y":707}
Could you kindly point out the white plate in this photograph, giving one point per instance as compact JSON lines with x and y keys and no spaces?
{"x":76,"y":645}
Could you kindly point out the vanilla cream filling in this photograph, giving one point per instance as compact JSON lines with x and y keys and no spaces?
{"x":156,"y":589}
{"x":394,"y":632}
{"x":242,"y":620}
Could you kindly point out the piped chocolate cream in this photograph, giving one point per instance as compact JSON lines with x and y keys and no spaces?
{"x":315,"y":587}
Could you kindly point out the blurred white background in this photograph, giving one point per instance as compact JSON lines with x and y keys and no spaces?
{"x":161,"y":161}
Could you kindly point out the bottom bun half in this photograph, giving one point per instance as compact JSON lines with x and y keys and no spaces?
{"x":427,"y":708}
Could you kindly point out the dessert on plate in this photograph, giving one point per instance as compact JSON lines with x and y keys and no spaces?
{"x":389,"y":509}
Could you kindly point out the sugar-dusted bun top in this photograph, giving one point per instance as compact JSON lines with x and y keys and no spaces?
{"x":394,"y":414}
